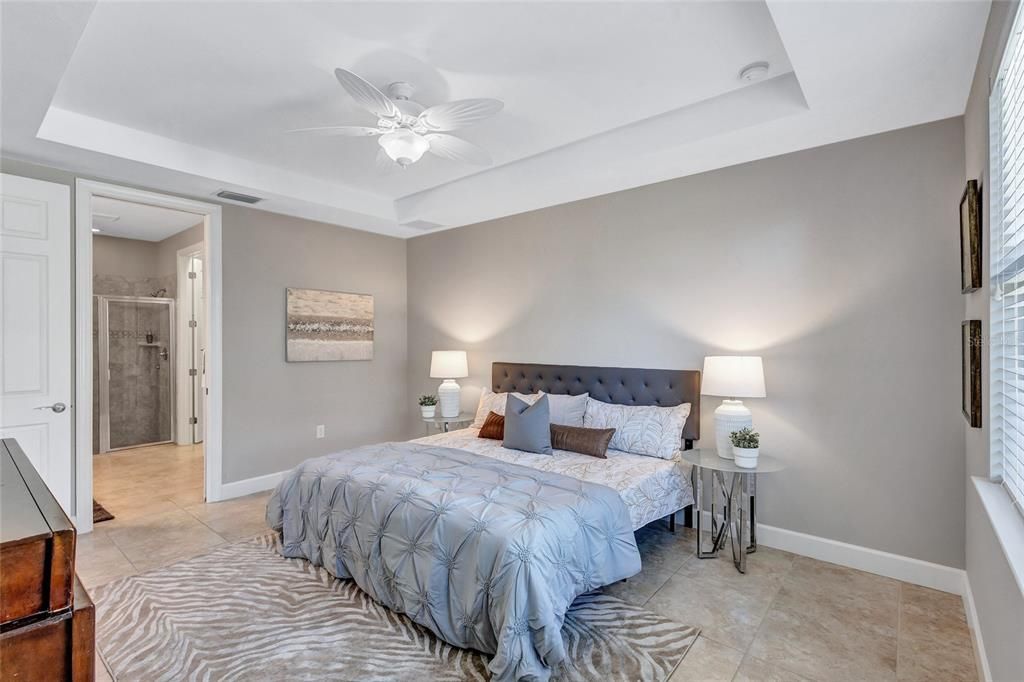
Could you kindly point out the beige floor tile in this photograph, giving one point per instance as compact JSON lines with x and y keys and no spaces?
{"x":162,"y":539}
{"x":707,"y":661}
{"x":755,"y":670}
{"x":934,"y":638}
{"x":99,"y":561}
{"x":662,"y":550}
{"x":235,"y":519}
{"x":830,"y":622}
{"x":767,"y":568}
{"x":724,"y":614}
{"x":101,"y":671}
{"x":638,"y":589}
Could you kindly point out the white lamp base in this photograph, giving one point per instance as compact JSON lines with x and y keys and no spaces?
{"x":448,"y":394}
{"x":731,"y":415}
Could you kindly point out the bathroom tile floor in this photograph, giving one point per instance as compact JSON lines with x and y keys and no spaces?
{"x":788,"y":618}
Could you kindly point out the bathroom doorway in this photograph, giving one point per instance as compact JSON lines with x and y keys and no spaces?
{"x":149,"y":447}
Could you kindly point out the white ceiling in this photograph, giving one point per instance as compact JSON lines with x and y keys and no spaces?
{"x":139,"y":221}
{"x":194,"y":97}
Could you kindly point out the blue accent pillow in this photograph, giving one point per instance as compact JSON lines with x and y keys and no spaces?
{"x":528,"y":427}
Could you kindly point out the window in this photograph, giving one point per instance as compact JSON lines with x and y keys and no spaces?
{"x":1006,"y":189}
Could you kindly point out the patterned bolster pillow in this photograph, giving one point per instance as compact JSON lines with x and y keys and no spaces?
{"x":593,"y":442}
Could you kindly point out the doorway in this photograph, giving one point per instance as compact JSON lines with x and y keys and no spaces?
{"x":148,"y":349}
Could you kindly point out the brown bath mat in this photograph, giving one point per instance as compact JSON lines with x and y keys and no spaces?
{"x":99,"y":513}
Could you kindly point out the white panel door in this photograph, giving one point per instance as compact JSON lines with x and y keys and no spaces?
{"x":36,"y":330}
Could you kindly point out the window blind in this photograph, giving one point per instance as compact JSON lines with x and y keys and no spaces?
{"x":1006,"y":189}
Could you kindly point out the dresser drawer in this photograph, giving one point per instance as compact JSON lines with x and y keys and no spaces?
{"x":37,"y":544}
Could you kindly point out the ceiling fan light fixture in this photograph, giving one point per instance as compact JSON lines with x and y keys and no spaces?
{"x":403,"y":146}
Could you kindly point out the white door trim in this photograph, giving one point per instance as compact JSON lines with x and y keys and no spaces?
{"x":84,"y":192}
{"x":183,"y":382}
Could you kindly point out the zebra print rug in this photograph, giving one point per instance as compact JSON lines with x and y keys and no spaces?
{"x":243,"y":612}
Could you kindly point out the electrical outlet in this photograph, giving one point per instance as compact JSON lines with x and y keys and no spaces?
{"x":320,"y":431}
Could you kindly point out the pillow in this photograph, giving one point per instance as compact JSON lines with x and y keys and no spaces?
{"x":495,"y":402}
{"x":567,"y":409}
{"x":642,"y":429}
{"x":493,"y":428}
{"x":528,"y":427}
{"x":593,"y":442}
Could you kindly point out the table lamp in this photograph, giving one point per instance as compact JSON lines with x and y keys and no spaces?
{"x":449,"y":365}
{"x":732,"y":377}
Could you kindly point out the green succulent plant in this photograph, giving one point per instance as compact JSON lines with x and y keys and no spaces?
{"x":428,"y":400}
{"x":745,"y":438}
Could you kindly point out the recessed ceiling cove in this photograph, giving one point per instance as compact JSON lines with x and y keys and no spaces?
{"x":598,"y":97}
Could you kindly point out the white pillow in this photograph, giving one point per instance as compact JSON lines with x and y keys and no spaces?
{"x":567,"y":410}
{"x":642,"y":429}
{"x":495,"y":402}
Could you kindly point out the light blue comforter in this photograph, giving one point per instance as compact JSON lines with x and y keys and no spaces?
{"x":487,"y":554}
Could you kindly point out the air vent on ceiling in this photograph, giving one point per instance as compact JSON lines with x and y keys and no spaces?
{"x":422,"y":225}
{"x":236,"y":196}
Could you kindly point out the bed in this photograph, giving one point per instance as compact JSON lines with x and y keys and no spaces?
{"x":484,"y":546}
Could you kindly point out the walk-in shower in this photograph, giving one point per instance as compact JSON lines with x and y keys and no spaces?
{"x":135,"y":368}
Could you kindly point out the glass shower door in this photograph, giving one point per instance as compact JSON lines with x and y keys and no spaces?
{"x":136,"y":338}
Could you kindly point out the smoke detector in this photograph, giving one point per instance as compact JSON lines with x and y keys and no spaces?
{"x":754,"y":72}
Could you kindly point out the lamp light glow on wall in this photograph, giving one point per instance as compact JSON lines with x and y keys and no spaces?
{"x":449,"y":365}
{"x":732,"y":377}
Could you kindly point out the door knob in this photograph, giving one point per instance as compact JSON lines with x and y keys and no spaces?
{"x":56,"y":407}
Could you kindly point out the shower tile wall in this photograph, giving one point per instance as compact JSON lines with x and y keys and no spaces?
{"x":140,"y":396}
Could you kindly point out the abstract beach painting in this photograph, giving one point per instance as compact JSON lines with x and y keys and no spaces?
{"x":324,"y":326}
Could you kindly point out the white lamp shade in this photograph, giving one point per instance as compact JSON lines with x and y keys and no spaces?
{"x":733,"y":376}
{"x":448,"y":364}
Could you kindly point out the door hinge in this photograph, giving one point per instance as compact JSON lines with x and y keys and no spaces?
{"x":191,"y":275}
{"x":193,"y":372}
{"x":192,"y":323}
{"x":193,"y":420}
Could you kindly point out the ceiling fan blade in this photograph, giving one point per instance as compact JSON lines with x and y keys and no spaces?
{"x":460,"y":113}
{"x":456,"y":149}
{"x":383,"y":163}
{"x":343,"y":131}
{"x":367,"y":96}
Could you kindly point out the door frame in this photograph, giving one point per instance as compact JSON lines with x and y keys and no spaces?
{"x":212,"y":246}
{"x":182,"y":379}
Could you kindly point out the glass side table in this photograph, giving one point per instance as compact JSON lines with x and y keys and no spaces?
{"x":444,"y":424}
{"x":738,"y":524}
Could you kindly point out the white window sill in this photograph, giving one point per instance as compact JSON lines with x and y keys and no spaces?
{"x":1007,"y":523}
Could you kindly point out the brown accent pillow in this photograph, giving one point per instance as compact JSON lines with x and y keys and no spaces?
{"x":493,"y":428}
{"x":593,"y":442}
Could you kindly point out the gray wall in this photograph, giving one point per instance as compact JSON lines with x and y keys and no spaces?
{"x":271,"y":408}
{"x":838,"y":265}
{"x":998,"y":600}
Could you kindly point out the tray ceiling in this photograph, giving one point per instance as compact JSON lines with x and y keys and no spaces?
{"x":599,"y":97}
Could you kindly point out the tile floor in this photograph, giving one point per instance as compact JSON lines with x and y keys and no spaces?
{"x":788,"y":618}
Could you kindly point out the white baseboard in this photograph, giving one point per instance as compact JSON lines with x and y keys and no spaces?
{"x":907,"y":569}
{"x":248,"y":486}
{"x":972,"y":622}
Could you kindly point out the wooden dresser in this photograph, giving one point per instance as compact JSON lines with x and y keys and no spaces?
{"x":47,"y":620}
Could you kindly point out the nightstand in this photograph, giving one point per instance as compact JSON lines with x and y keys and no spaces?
{"x":444,"y":424}
{"x":738,"y":523}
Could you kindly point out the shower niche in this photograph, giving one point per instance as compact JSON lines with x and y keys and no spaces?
{"x":135,"y":366}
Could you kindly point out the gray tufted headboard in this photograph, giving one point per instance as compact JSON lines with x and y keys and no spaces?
{"x":616,"y":385}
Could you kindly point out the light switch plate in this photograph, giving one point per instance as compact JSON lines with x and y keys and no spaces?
{"x":320,"y":431}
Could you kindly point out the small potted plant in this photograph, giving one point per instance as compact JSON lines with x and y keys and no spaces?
{"x":745,"y":444}
{"x":428,"y":405}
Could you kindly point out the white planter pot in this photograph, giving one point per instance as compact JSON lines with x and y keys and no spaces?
{"x":746,"y":458}
{"x":428,"y":411}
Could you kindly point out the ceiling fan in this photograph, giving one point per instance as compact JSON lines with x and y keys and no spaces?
{"x":406,"y":128}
